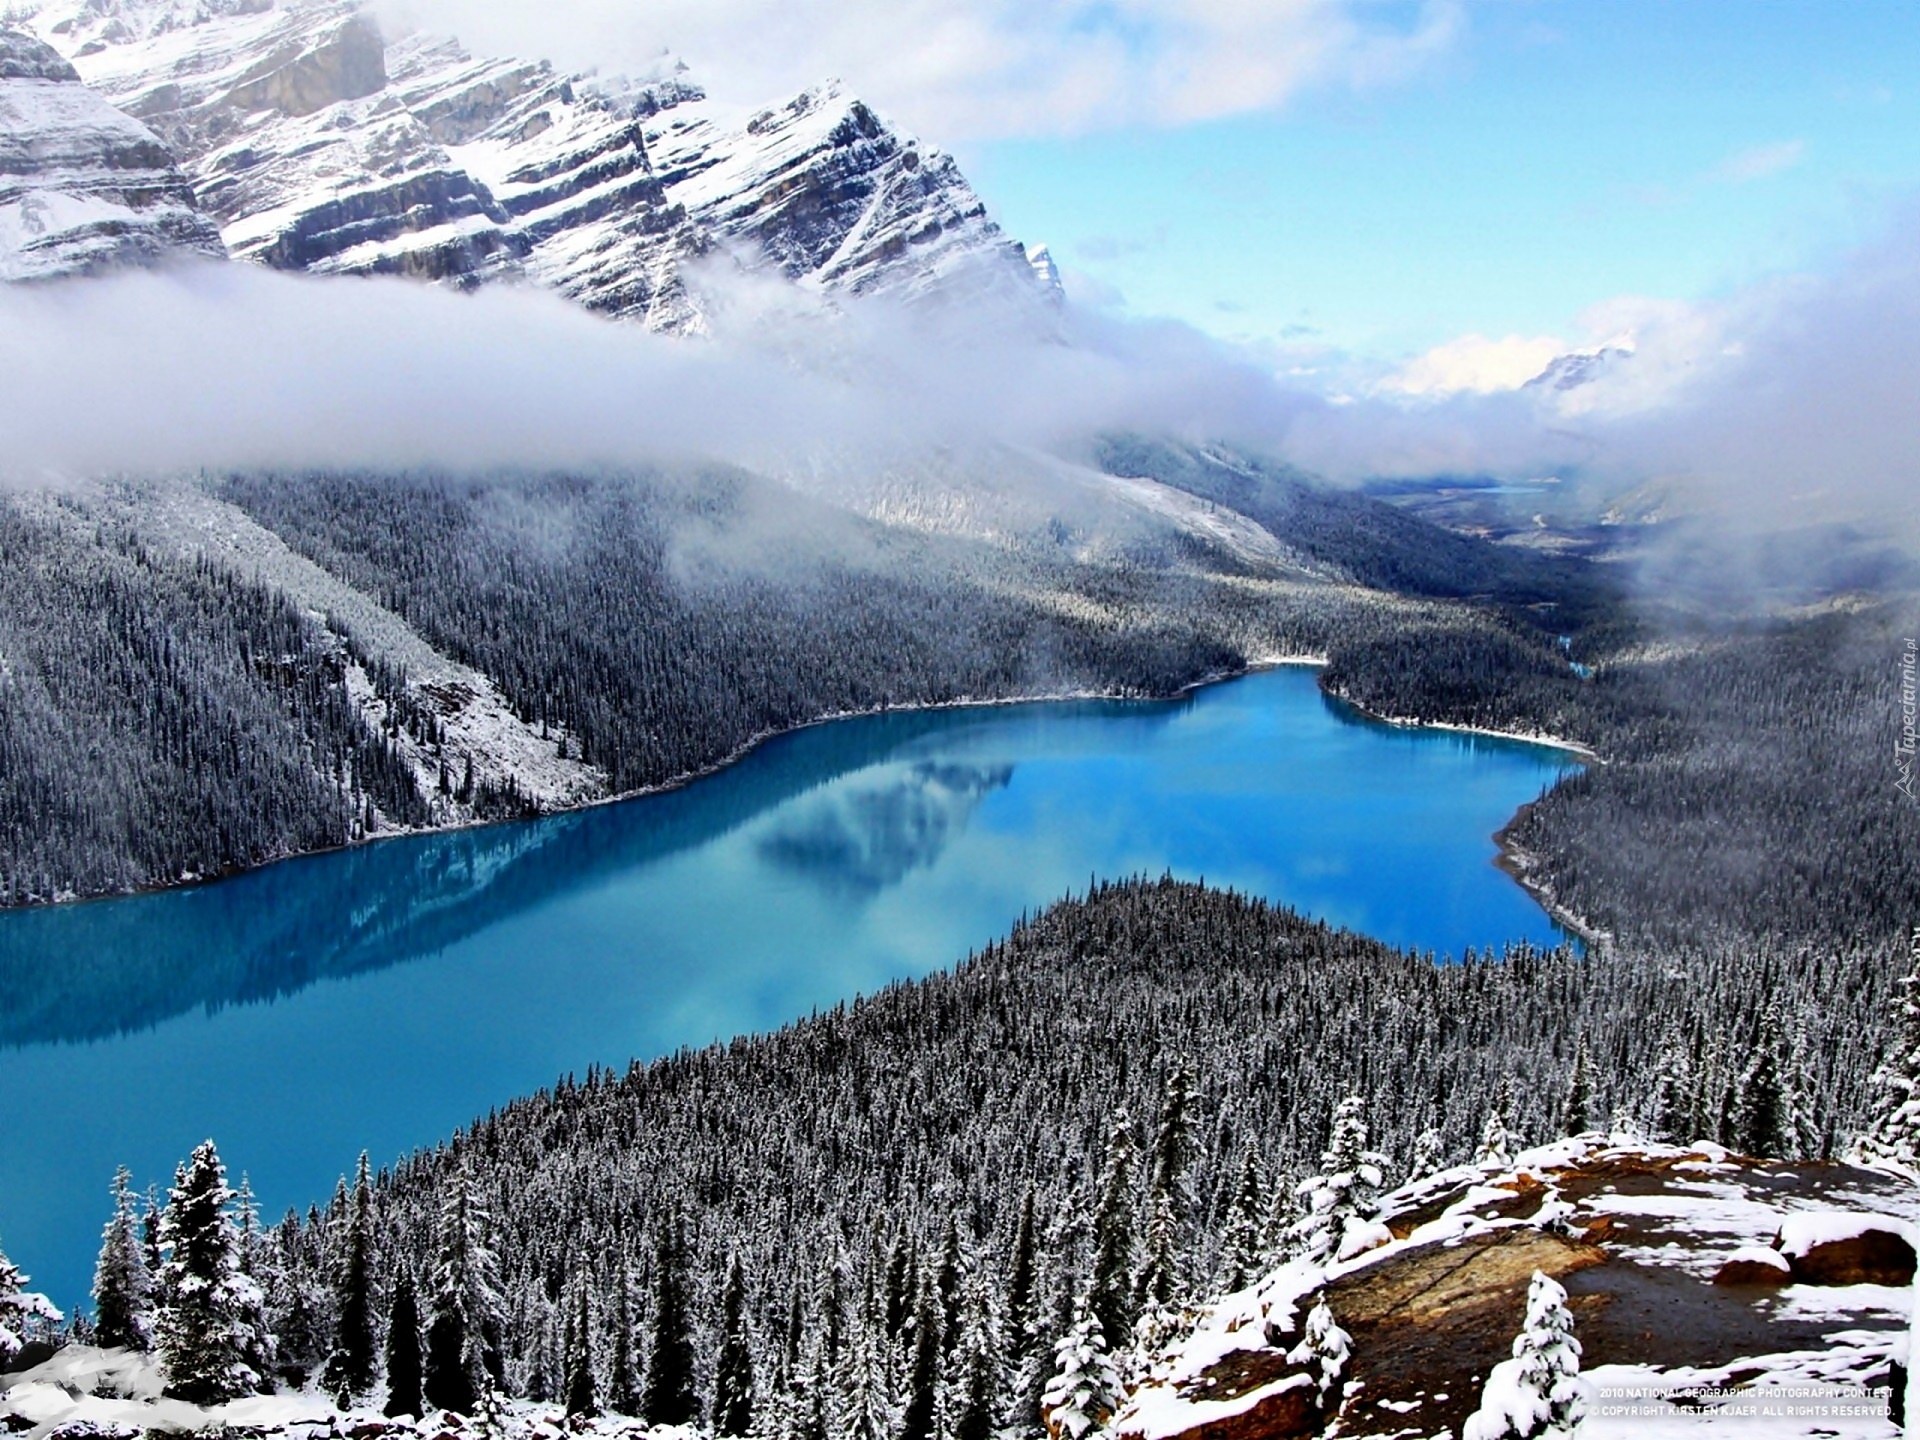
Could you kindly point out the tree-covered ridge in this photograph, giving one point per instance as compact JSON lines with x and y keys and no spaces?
{"x":952,"y":1142}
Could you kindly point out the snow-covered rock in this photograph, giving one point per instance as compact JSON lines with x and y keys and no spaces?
{"x":83,"y":187}
{"x":321,"y":144}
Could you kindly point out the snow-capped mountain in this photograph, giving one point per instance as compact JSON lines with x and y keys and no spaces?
{"x":321,"y":144}
{"x":82,"y":186}
{"x":1582,"y":367}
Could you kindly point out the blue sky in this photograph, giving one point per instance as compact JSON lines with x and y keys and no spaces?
{"x":1548,"y":156}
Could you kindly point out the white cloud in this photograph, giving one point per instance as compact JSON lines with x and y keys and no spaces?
{"x":971,"y":69}
{"x":1760,"y":162}
{"x":1477,"y":365}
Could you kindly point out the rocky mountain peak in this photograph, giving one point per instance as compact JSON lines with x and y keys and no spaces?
{"x":321,"y":144}
{"x":83,"y":187}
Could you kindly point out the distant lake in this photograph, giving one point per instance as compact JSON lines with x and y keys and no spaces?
{"x":381,"y":997}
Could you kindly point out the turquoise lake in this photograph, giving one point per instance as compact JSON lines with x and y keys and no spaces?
{"x":381,"y":997}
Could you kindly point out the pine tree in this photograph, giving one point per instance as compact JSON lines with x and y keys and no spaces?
{"x":1023,"y":1273}
{"x":1323,"y":1350}
{"x":465,"y":1313}
{"x":623,"y":1377}
{"x":974,"y":1379}
{"x":1496,"y":1143}
{"x":669,"y":1397}
{"x":350,"y":1369}
{"x":733,"y":1367}
{"x":902,"y":1284}
{"x":1892,"y":1135}
{"x":1111,"y":1294}
{"x":1537,"y":1393}
{"x":1763,"y":1113}
{"x":122,"y":1285}
{"x":1669,"y":1099}
{"x":866,"y":1410}
{"x":1429,"y":1155}
{"x":581,"y":1401}
{"x":920,"y":1413}
{"x":205,"y":1330}
{"x":1085,"y":1389}
{"x":20,"y":1308}
{"x":1173,"y":1144}
{"x":1243,"y":1249}
{"x":1344,"y":1194}
{"x":1576,"y":1109}
{"x":404,"y":1360}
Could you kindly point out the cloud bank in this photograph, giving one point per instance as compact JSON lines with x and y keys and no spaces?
{"x":986,"y":68}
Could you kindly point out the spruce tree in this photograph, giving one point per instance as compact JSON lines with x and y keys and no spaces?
{"x":350,"y":1369}
{"x":1429,"y":1154}
{"x":404,"y":1360}
{"x":205,"y":1331}
{"x":465,"y":1311}
{"x":974,"y":1377}
{"x":1576,"y":1109}
{"x":20,"y":1308}
{"x":920,"y":1413}
{"x":669,"y":1397}
{"x":1537,"y":1394}
{"x":1892,"y":1135}
{"x":1763,"y":1112}
{"x":1023,"y":1273}
{"x":1243,"y":1249}
{"x":581,"y":1400}
{"x":1323,"y":1351}
{"x":122,"y":1285}
{"x":1085,"y":1388}
{"x":733,"y":1367}
{"x":1110,"y":1296}
{"x":1344,"y":1194}
{"x":623,"y":1374}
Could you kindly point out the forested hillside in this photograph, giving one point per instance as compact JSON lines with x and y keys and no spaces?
{"x":912,"y":1199}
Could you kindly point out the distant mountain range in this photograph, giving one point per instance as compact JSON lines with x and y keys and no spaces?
{"x":306,"y":138}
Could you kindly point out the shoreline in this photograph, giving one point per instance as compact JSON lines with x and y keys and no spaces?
{"x":1509,"y":860}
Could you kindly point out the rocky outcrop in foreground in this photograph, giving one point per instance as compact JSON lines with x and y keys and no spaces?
{"x":1706,"y":1289}
{"x":83,"y":188}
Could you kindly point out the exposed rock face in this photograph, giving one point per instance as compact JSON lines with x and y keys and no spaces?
{"x":83,"y":187}
{"x":321,"y":146}
{"x":1661,"y":1250}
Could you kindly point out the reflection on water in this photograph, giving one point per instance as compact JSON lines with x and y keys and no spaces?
{"x":381,"y":997}
{"x":867,"y":838}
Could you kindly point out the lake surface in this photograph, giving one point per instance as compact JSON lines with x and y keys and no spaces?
{"x":381,"y":997}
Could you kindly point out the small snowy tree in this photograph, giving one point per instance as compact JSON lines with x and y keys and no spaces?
{"x":1324,"y":1350}
{"x":1892,"y":1136}
{"x":1243,"y":1249}
{"x":1496,"y":1142}
{"x":211,"y":1316}
{"x":1576,"y":1109}
{"x":20,"y":1309}
{"x":1764,"y":1112}
{"x":1344,"y":1195}
{"x":1085,"y":1389}
{"x":1537,"y":1393}
{"x":122,"y":1285}
{"x":1429,"y":1155}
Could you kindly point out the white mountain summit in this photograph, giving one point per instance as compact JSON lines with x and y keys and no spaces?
{"x":320,"y":144}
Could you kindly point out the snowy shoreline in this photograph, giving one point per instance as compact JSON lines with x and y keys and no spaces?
{"x":747,"y":747}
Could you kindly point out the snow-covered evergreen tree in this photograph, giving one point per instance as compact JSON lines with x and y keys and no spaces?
{"x":733,"y":1388}
{"x":973,"y":1381}
{"x":350,"y":1368}
{"x":404,"y":1360}
{"x":1765,"y":1109}
{"x":669,"y":1398}
{"x":1496,"y":1142}
{"x":581,"y":1397}
{"x":920,"y":1408}
{"x":20,"y":1309}
{"x":1345,"y":1194}
{"x":1110,"y":1295}
{"x":1085,"y":1389}
{"x":1892,"y":1134}
{"x":1669,"y":1098}
{"x":864,"y":1390}
{"x":1243,"y":1248}
{"x":211,"y":1319}
{"x":1537,"y":1393}
{"x":1576,"y":1108}
{"x":623,"y":1371}
{"x":1324,"y":1349}
{"x":1429,"y":1154}
{"x":465,"y":1312}
{"x":122,"y":1286}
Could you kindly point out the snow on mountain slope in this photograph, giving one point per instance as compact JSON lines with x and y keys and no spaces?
{"x":321,"y":145}
{"x":82,"y":186}
{"x":177,"y":516}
